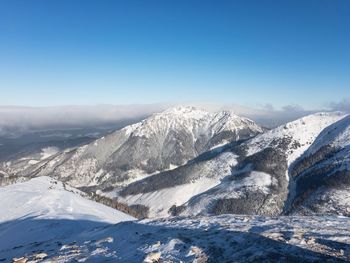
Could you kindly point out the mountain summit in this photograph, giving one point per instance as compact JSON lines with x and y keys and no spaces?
{"x":161,"y":142}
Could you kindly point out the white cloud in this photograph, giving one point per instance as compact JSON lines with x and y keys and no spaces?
{"x":343,"y":105}
{"x":17,"y":120}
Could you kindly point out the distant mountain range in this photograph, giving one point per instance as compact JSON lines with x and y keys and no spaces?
{"x":186,"y":161}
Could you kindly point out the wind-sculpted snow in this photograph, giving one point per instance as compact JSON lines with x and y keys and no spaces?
{"x":228,"y":238}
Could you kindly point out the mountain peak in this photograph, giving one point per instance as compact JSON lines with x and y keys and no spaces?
{"x":182,"y":108}
{"x":164,"y":140}
{"x":185,"y":111}
{"x":300,"y":134}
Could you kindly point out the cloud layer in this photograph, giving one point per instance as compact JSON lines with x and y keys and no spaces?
{"x":19,"y":120}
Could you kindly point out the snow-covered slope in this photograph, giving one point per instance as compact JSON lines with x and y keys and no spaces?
{"x":45,"y":210}
{"x":294,"y":137}
{"x":163,"y":191}
{"x":322,"y":173}
{"x":203,"y":239}
{"x":336,"y":136}
{"x":45,"y":198}
{"x":260,"y":182}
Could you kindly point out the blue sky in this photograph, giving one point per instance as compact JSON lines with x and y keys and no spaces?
{"x":252,"y":53}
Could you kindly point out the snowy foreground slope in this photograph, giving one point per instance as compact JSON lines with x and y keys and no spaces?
{"x":61,"y":211}
{"x":226,"y":238}
{"x":45,"y":198}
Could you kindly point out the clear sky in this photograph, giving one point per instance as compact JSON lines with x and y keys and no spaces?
{"x":61,"y":52}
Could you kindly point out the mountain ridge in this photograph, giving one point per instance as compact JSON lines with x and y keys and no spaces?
{"x":191,"y":162}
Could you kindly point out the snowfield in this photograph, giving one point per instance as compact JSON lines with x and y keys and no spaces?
{"x":44,"y":209}
{"x":226,"y":238}
{"x":43,"y":220}
{"x":46,"y":198}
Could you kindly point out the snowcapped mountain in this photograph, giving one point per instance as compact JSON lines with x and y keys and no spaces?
{"x":249,"y":177}
{"x":159,"y":143}
{"x":262,"y":182}
{"x":294,"y":137}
